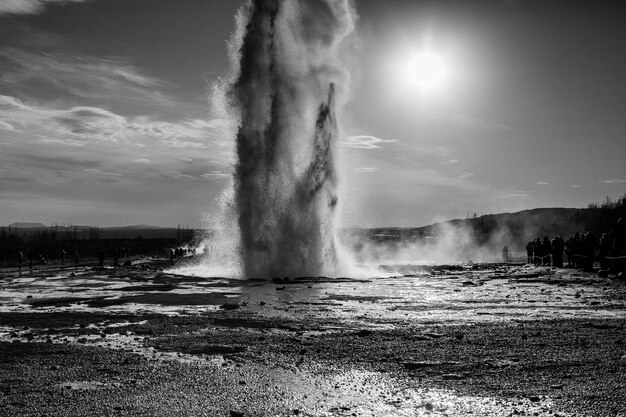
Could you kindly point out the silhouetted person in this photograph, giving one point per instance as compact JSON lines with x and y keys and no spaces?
{"x":568,"y":252}
{"x":75,"y":258}
{"x":576,"y":249}
{"x":20,"y":260}
{"x":529,"y":252}
{"x":546,"y":250}
{"x":116,"y":257}
{"x":31,"y":257}
{"x":101,"y":257}
{"x":604,"y":250}
{"x":505,"y":254}
{"x":619,"y":247}
{"x":557,"y":245}
{"x":63,"y":253}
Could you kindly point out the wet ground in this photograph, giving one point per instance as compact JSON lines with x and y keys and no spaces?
{"x":456,"y":340}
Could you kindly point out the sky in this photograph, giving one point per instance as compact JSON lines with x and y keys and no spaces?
{"x":106,"y":115}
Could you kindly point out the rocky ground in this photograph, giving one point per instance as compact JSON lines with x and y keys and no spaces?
{"x":457,"y":340}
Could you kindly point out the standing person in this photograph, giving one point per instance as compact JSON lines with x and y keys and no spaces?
{"x":557,"y":251}
{"x":505,"y":254}
{"x":529,"y":252}
{"x":31,"y":257}
{"x":101,"y":257}
{"x":538,"y":251}
{"x":116,"y":256}
{"x":605,"y":248}
{"x":568,"y":251}
{"x":75,"y":258}
{"x":20,"y":259}
{"x":63,"y":253}
{"x":547,"y":250}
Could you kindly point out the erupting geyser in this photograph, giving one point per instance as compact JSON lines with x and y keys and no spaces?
{"x":285,"y":98}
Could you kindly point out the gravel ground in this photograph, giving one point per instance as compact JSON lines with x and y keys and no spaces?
{"x":485,"y":340}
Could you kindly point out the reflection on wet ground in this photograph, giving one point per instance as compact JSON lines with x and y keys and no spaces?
{"x":455,"y":295}
{"x":468,"y":294}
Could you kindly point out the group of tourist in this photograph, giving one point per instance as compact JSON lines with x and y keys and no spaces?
{"x":33,"y":257}
{"x":179,"y":253}
{"x":582,"y":250}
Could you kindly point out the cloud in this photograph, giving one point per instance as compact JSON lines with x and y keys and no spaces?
{"x":365,"y":142}
{"x":365,"y":169}
{"x":542,"y":183}
{"x":91,"y":121}
{"x":142,"y":160}
{"x":613,"y":181}
{"x":215,"y":174}
{"x":575,"y":186}
{"x":96,"y":171}
{"x":29,"y":6}
{"x":83,"y":79}
{"x":65,"y":142}
{"x":101,"y":124}
{"x":6,"y":126}
{"x":515,"y":195}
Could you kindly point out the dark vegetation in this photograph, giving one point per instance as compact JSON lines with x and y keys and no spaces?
{"x":87,"y":241}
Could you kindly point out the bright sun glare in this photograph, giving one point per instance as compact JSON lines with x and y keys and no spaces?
{"x":427,"y":70}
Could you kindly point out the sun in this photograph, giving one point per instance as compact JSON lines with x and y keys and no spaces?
{"x":427,"y":70}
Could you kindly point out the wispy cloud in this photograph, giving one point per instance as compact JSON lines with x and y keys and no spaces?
{"x":215,"y":175}
{"x":83,"y":80}
{"x":5,"y":125}
{"x":365,"y":169}
{"x":575,"y":186}
{"x":613,"y":181}
{"x":29,"y":6}
{"x":96,"y":171}
{"x":542,"y":183}
{"x":101,"y":124}
{"x":365,"y":142}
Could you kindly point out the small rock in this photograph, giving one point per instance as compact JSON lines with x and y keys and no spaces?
{"x":429,"y":406}
{"x":234,"y":413}
{"x":229,"y":306}
{"x":364,"y":332}
{"x":534,"y":399}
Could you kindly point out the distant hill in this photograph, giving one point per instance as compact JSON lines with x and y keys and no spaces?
{"x":511,"y":229}
{"x":137,"y":227}
{"x":26,"y":225}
